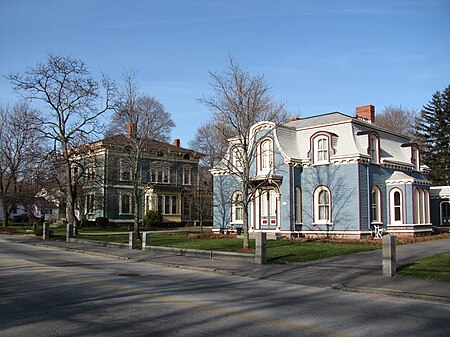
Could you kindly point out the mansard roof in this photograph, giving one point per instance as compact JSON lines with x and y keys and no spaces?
{"x":150,"y":145}
{"x":349,"y":137}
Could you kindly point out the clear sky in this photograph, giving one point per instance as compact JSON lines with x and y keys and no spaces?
{"x":317,"y":56}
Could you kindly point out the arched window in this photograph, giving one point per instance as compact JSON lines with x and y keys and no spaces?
{"x":321,"y":150}
{"x":374,"y":149}
{"x":376,"y":205}
{"x":237,"y":207}
{"x":396,"y":206}
{"x":298,"y":205}
{"x":265,"y":156}
{"x":322,"y":205}
{"x":421,"y":205}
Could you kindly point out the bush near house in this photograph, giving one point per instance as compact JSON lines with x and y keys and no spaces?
{"x":101,"y":222}
{"x":152,"y":218}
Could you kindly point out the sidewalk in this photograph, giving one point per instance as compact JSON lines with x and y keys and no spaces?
{"x":360,"y":272}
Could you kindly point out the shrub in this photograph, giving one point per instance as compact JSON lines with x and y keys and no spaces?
{"x":152,"y":218}
{"x":87,"y":223}
{"x":101,"y":222}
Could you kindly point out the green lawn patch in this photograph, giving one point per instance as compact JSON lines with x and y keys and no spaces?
{"x":281,"y":251}
{"x":302,"y":251}
{"x":436,"y":267}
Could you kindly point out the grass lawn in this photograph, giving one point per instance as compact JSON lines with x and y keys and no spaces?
{"x":436,"y":267}
{"x":281,"y":251}
{"x":297,"y":251}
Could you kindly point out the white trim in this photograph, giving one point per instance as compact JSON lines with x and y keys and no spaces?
{"x":393,"y":206}
{"x":316,"y":220}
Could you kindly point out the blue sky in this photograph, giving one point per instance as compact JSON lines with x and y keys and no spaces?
{"x":317,"y":56}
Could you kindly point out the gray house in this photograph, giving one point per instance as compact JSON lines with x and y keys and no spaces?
{"x":168,"y":177}
{"x":328,"y":175}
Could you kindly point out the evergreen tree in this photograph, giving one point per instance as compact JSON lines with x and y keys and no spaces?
{"x":433,"y":132}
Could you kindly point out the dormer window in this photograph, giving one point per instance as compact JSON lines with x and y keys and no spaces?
{"x":321,"y":150}
{"x":374,"y":149}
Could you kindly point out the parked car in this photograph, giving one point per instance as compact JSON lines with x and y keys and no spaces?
{"x":25,"y":217}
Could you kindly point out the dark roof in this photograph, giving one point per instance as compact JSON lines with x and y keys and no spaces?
{"x":121,"y":140}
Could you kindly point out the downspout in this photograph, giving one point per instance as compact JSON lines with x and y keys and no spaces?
{"x":368,"y":198}
{"x":292,"y":194}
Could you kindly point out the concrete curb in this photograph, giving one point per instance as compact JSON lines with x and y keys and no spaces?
{"x":391,"y":293}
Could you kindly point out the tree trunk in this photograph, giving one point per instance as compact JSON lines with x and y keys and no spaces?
{"x":136,"y":217}
{"x":5,"y":215}
{"x":245,"y":217}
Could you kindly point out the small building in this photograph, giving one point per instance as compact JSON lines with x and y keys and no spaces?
{"x":168,"y":175}
{"x":327,"y":175}
{"x":440,"y":206}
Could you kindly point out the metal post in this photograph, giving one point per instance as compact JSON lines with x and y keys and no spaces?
{"x":389,"y":256}
{"x":69,"y":232}
{"x":260,"y":245}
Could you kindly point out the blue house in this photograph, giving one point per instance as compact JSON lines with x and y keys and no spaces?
{"x":328,"y":175}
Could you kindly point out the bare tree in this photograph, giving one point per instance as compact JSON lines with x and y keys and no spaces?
{"x":239,"y":101}
{"x":146,"y":119}
{"x":19,"y":155}
{"x":73,"y":103}
{"x":398,"y":119}
{"x":211,"y":139}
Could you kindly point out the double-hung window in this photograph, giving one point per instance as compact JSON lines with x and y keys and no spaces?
{"x":321,"y":150}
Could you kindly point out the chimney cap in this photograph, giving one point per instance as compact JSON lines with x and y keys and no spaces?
{"x":366,"y":112}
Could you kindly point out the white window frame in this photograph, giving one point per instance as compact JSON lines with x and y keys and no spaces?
{"x":166,"y":207}
{"x":187,"y":176}
{"x":443,"y":204}
{"x":321,"y":150}
{"x":265,"y":156}
{"x":374,"y":149}
{"x":393,"y":207}
{"x":123,"y":169}
{"x":318,"y":206}
{"x":237,"y":212}
{"x":122,"y":197}
{"x":375,"y":214}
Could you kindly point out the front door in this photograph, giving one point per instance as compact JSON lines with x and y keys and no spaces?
{"x":268,"y":209}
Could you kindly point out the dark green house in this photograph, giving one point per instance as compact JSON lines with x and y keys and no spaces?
{"x":168,"y":179}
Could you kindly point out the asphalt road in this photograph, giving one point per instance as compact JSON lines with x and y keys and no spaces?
{"x":46,"y":292}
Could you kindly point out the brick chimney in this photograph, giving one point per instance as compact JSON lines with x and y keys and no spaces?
{"x":366,"y":112}
{"x":130,"y":129}
{"x":177,"y":142}
{"x":292,"y":119}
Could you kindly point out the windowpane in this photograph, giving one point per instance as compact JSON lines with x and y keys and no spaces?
{"x":322,"y":200}
{"x":166,"y":205}
{"x":174,"y":204}
{"x":397,"y":206}
{"x":160,"y":204}
{"x":238,"y":207}
{"x":322,"y":150}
